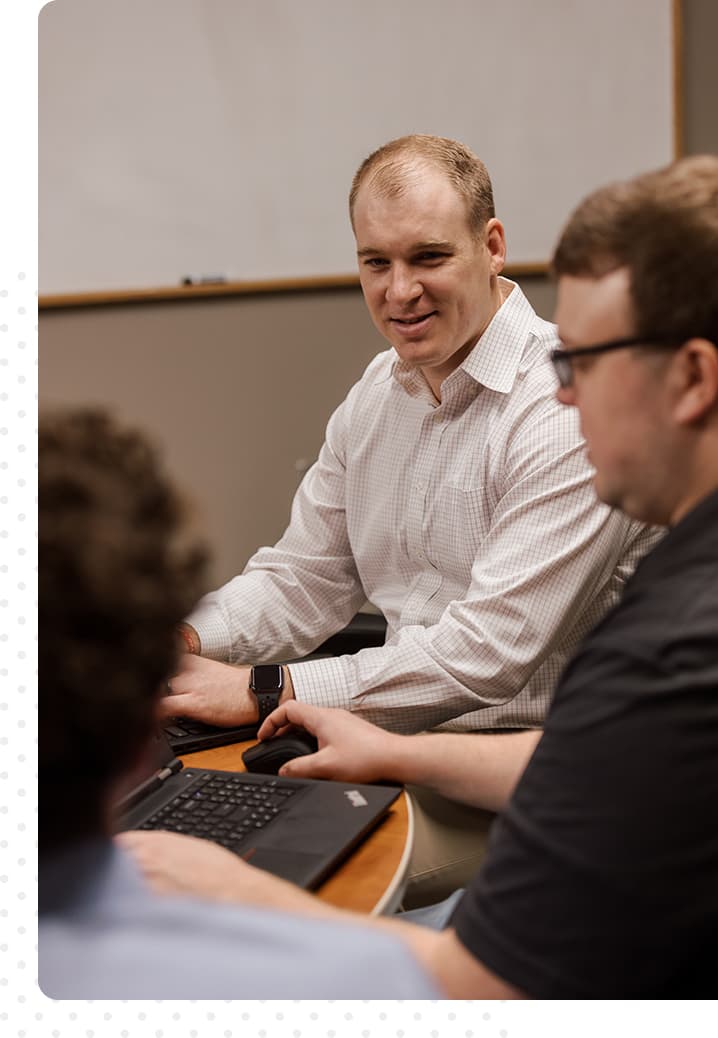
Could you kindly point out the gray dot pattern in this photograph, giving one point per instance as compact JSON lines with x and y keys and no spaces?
{"x":24,"y":1010}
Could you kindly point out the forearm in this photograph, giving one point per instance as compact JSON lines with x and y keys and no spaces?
{"x":173,"y":864}
{"x":257,"y":887}
{"x":292,"y":596}
{"x":478,"y":769}
{"x":281,"y":612}
{"x":441,"y":954}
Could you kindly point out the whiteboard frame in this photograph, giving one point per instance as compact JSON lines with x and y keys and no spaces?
{"x":165,"y":292}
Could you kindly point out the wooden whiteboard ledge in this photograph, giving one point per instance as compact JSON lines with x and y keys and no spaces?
{"x":132,"y":296}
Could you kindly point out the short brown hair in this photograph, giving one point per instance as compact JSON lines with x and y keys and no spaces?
{"x":118,"y":571}
{"x":389,"y":167}
{"x":663,"y":227}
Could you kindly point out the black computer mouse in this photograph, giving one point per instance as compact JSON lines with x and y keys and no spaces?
{"x":267,"y":757}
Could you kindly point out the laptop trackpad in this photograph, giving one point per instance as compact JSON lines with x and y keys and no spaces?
{"x":297,"y":866}
{"x":293,"y":853}
{"x":313,"y":834}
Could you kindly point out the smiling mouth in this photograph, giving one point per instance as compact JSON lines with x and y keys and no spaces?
{"x":409,"y":322}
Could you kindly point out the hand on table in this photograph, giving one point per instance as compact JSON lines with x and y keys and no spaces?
{"x":350,"y":749}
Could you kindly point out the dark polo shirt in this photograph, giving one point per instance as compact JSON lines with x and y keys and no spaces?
{"x":601,"y":879}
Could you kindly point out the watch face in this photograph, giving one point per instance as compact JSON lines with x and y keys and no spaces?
{"x":268,"y":678}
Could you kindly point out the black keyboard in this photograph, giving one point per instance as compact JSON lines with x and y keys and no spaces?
{"x":180,"y":726}
{"x":187,"y":736}
{"x":224,"y":808}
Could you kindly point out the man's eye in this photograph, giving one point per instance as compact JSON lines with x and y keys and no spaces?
{"x":431,"y":257}
{"x":579,"y":363}
{"x":376,"y":262}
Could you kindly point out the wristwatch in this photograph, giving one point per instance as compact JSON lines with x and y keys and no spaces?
{"x":267,"y":682}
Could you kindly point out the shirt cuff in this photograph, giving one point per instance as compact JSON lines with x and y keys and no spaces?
{"x":323,"y":682}
{"x":214,"y":635}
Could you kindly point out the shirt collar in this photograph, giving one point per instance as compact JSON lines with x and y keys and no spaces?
{"x":494,"y":360}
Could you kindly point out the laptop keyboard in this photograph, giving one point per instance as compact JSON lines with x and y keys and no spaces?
{"x":224,"y":808}
{"x":180,"y":726}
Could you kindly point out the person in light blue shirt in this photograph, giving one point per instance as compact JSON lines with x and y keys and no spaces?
{"x":104,"y":934}
{"x":119,"y":571}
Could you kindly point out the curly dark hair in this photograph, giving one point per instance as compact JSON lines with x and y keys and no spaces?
{"x":118,"y":571}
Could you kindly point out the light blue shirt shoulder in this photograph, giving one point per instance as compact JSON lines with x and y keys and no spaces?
{"x":103,"y":934}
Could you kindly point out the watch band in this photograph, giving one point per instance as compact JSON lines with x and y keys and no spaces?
{"x":267,"y":701}
{"x":266,"y":682}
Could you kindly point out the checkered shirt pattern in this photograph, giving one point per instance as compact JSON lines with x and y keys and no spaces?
{"x":471,"y":524}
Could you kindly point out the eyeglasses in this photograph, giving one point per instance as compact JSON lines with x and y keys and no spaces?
{"x":562,"y":359}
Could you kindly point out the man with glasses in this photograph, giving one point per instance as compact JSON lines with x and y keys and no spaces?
{"x":600,"y":878}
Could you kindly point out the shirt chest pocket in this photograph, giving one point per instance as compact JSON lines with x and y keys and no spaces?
{"x":458,"y":528}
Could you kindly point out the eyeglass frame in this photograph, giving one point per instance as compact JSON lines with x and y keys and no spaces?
{"x":561,"y":359}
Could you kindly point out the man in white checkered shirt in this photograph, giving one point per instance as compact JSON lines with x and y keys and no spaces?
{"x":452,"y":491}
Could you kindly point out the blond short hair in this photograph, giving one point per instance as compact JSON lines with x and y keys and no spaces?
{"x":390,"y":168}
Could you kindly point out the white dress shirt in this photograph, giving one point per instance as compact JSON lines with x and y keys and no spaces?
{"x":471,"y":524}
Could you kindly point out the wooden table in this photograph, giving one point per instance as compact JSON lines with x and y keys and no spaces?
{"x":373,"y":878}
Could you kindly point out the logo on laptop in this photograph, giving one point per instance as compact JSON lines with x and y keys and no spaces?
{"x":355,"y":798}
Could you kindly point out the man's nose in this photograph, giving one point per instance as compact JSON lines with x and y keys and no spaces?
{"x":566,"y":395}
{"x":403,"y":285}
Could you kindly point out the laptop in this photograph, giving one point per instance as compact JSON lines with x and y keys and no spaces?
{"x":187,"y":736}
{"x":299,"y":829}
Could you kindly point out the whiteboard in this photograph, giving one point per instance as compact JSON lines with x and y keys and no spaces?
{"x":201,"y":137}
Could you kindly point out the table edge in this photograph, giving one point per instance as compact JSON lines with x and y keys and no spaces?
{"x":390,"y":900}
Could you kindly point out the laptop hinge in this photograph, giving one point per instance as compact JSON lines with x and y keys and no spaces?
{"x":172,"y":768}
{"x":149,"y":785}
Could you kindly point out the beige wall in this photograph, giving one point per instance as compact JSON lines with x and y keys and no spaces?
{"x":700,"y":76}
{"x":238,"y":391}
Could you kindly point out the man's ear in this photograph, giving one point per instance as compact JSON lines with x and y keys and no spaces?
{"x":495,"y":238}
{"x":697,"y":392}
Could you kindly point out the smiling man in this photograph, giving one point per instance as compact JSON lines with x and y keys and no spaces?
{"x":600,"y":878}
{"x":430,"y":276}
{"x":452,"y":491}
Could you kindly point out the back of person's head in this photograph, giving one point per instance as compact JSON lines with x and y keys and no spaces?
{"x":389,"y":169}
{"x":118,"y":571}
{"x":663,"y":227}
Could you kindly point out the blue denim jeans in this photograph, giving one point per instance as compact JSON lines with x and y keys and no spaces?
{"x":435,"y":917}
